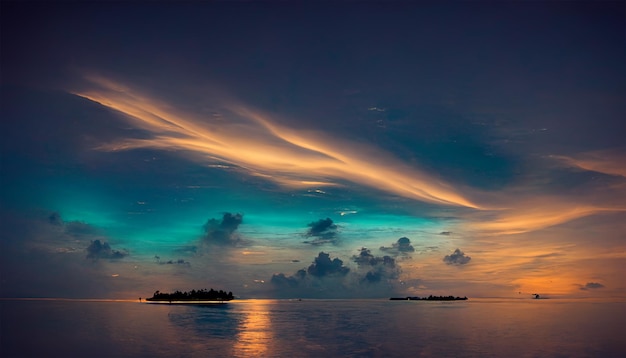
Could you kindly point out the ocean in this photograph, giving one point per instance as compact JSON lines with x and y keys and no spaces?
{"x":314,"y":328}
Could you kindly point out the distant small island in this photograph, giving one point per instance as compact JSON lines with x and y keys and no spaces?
{"x":193,"y":296}
{"x":429,"y":298}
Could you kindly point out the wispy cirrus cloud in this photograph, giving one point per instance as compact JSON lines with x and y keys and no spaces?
{"x":248,"y":139}
{"x":603,"y":161}
{"x":534,"y":215}
{"x":253,"y":142}
{"x":524,"y":219}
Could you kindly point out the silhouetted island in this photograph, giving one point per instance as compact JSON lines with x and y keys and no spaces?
{"x":429,"y":298}
{"x":194,"y":296}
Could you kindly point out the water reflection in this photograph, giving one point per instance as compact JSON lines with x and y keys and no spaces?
{"x":314,"y":328}
{"x":255,"y":332}
{"x":244,"y":329}
{"x":206,"y":320}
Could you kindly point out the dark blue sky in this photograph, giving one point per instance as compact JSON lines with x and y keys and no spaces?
{"x":495,"y":129}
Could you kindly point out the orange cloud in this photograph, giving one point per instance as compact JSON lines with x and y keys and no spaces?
{"x":249,"y":140}
{"x":603,"y":161}
{"x":244,"y":139}
{"x":534,"y":215}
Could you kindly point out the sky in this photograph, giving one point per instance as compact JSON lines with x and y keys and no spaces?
{"x":336,"y":150}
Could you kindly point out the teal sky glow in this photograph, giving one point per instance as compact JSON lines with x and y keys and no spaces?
{"x":457,"y":149}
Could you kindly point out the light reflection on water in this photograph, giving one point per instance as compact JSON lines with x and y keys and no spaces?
{"x":256,"y":332}
{"x":283,"y":328}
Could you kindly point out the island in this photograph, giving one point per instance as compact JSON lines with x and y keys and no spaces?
{"x":429,"y":298}
{"x":202,"y":296}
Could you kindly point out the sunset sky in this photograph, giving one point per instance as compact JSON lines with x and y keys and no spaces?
{"x":278,"y":150}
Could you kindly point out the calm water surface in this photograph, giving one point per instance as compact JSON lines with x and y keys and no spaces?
{"x":313,"y":328}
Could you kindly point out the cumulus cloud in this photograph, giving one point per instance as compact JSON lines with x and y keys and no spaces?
{"x":364,"y":257}
{"x":457,"y":258}
{"x":403,"y":245}
{"x":322,"y":227}
{"x":223,"y":231}
{"x":281,"y":279}
{"x":592,"y":286}
{"x":40,"y":259}
{"x":78,"y":232}
{"x":324,"y":266}
{"x":323,"y":231}
{"x":102,"y":250}
{"x":76,"y":229}
{"x":377,"y":268}
{"x":327,"y":277}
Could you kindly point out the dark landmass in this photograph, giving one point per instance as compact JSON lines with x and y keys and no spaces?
{"x":193,"y":295}
{"x":429,"y":298}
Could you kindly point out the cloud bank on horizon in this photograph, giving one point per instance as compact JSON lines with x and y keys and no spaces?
{"x":446,"y":151}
